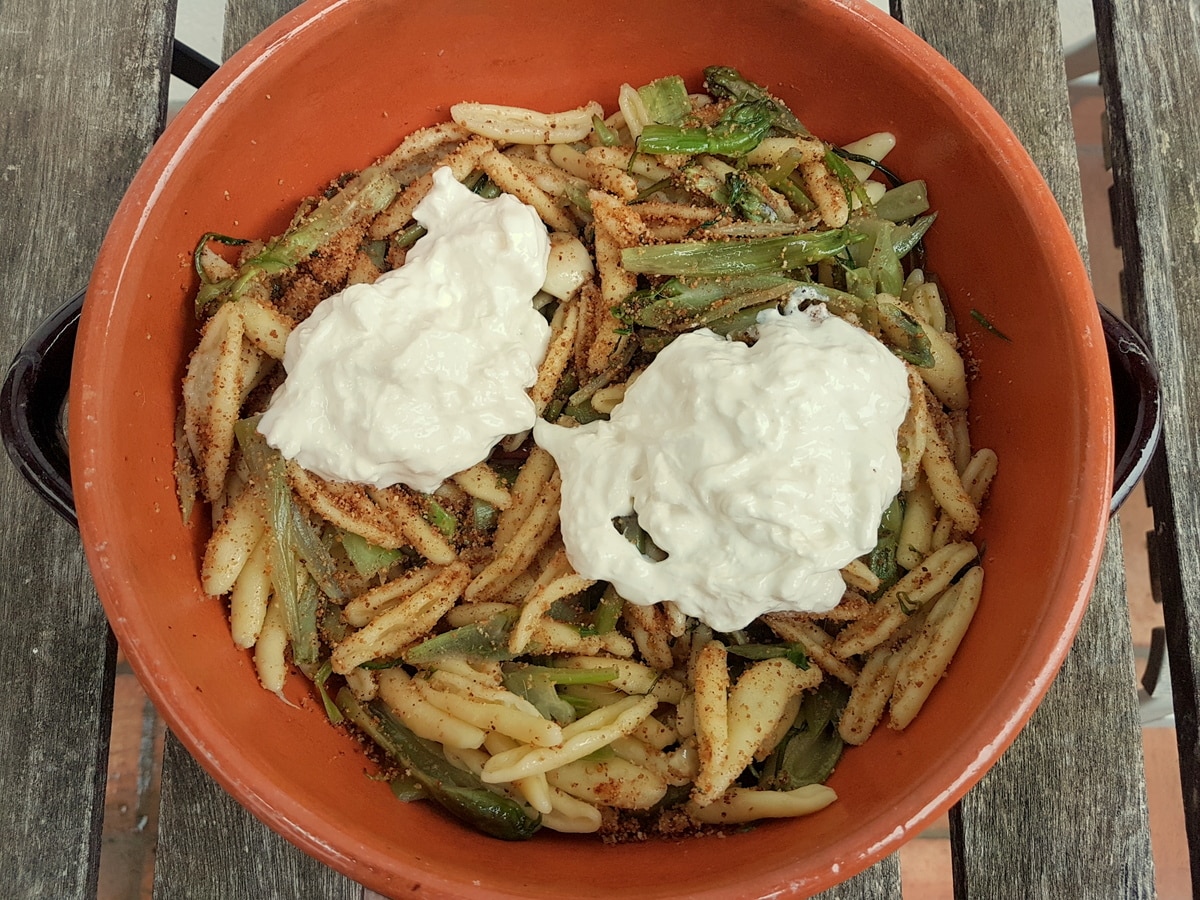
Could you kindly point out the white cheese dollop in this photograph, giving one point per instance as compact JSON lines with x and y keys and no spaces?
{"x":760,"y":470}
{"x":417,"y":376}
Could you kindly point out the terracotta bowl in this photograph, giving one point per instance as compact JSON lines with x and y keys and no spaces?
{"x":336,"y":84}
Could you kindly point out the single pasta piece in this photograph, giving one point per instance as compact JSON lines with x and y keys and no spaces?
{"x":366,"y":606}
{"x":933,"y":648}
{"x":238,"y":533}
{"x":517,"y":125}
{"x":270,"y":661}
{"x":248,"y":599}
{"x":212,"y":394}
{"x":580,"y":738}
{"x":558,"y":356}
{"x":516,"y":555}
{"x":870,"y":695}
{"x":397,"y":690}
{"x":615,"y":782}
{"x":748,"y":805}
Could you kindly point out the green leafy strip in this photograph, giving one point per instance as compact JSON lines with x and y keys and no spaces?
{"x":739,"y":130}
{"x":812,"y":747}
{"x":728,"y":82}
{"x":460,"y":793}
{"x":538,"y":685}
{"x":367,"y":558}
{"x":268,"y":474}
{"x":737,"y":257}
{"x":988,"y":326}
{"x":882,"y":558}
{"x":367,"y":194}
{"x":319,"y":679}
{"x":792,"y":652}
{"x":481,"y":640}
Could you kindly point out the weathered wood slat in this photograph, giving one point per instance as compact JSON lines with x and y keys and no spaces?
{"x":246,"y":18}
{"x":1150,"y":65}
{"x":58,"y":657}
{"x":1034,"y":827}
{"x":209,"y":846}
{"x":880,"y":881}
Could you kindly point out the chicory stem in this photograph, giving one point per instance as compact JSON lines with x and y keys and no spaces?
{"x":268,"y":473}
{"x":366,"y":195}
{"x":736,"y":133}
{"x":679,"y":305}
{"x":459,"y":792}
{"x":481,"y":640}
{"x":737,"y":257}
{"x":726,"y":81}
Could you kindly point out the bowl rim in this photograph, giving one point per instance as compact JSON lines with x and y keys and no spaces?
{"x":213,"y":749}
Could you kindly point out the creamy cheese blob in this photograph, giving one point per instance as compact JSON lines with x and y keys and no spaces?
{"x":416,"y":377}
{"x":759,"y":470}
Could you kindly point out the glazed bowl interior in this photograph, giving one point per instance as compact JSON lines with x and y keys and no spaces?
{"x":335,"y":85}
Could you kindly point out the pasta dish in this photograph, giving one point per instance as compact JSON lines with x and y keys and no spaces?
{"x":451,"y":619}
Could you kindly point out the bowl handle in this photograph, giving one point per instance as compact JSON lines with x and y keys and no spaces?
{"x":33,"y":406}
{"x":1137,"y":404}
{"x":33,"y":401}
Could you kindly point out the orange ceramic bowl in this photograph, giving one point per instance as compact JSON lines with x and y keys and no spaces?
{"x":336,"y":84}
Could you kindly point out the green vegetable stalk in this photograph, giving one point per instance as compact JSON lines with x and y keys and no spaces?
{"x":904,"y":238}
{"x":315,"y":554}
{"x":727,"y":82}
{"x":320,"y":678}
{"x":268,"y":474}
{"x":789,"y":650}
{"x":366,"y":195}
{"x":537,"y":684}
{"x":607,"y":136}
{"x":812,"y":747}
{"x":849,"y":181}
{"x":608,"y":611}
{"x":483,"y":640}
{"x":735,"y":191}
{"x":678,"y":305}
{"x":367,"y":558}
{"x":739,"y":130}
{"x":779,"y":177}
{"x":903,"y":202}
{"x":460,"y":793}
{"x":440,"y":517}
{"x":905,"y":336}
{"x":737,"y":257}
{"x":882,"y":559}
{"x":666,"y":100}
{"x":884,"y":263}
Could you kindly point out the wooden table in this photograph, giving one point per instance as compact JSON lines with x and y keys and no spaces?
{"x":1064,"y":812}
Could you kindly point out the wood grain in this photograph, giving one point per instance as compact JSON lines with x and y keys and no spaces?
{"x":246,"y":18}
{"x":1150,"y":63}
{"x":209,"y":846}
{"x":880,"y":881}
{"x":62,"y":172}
{"x":1064,"y":811}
